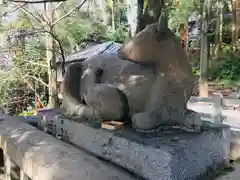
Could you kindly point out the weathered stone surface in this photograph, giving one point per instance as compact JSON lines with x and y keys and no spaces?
{"x":162,"y":49}
{"x":230,"y":173}
{"x":159,"y":97}
{"x":165,"y":155}
{"x":157,"y":92}
{"x":119,"y":106}
{"x":42,"y":156}
{"x":229,"y":117}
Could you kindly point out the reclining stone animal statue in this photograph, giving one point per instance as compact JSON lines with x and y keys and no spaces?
{"x":151,"y":89}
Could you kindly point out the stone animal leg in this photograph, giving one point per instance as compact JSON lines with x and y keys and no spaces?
{"x":166,"y":105}
{"x":109,"y":101}
{"x":150,"y":119}
{"x":145,"y":121}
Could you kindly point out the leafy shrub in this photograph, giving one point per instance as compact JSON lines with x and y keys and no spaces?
{"x":227,"y":66}
{"x":27,"y":113}
{"x":119,"y":35}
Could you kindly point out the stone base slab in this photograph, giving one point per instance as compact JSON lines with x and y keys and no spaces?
{"x":229,"y":117}
{"x":43,"y":157}
{"x":165,"y":155}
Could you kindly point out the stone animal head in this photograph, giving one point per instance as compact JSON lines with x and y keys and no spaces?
{"x":157,"y":45}
{"x":146,"y":45}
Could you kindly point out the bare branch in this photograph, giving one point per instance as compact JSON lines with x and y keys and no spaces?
{"x":58,"y":5}
{"x":36,"y":94}
{"x":70,"y":12}
{"x":38,"y":64}
{"x":60,"y":46}
{"x":9,"y":12}
{"x":43,"y":18}
{"x":37,"y":79}
{"x":35,"y":2}
{"x":25,"y":11}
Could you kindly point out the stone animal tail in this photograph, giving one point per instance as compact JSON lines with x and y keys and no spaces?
{"x":71,"y":88}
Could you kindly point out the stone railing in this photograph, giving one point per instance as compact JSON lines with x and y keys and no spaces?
{"x":40,"y":156}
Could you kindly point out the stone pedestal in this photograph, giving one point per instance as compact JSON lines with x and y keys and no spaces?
{"x":165,"y":155}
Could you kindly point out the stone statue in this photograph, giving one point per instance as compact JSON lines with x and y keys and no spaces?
{"x":148,"y":83}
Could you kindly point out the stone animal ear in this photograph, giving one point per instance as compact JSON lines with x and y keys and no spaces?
{"x":162,"y":27}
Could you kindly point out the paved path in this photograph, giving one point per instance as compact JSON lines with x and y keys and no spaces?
{"x":232,"y":116}
{"x":233,"y":119}
{"x":233,"y":174}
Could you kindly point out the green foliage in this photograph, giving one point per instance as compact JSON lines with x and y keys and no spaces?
{"x":227,"y":66}
{"x":27,"y":113}
{"x":74,"y":31}
{"x":119,"y":35}
{"x":83,"y":26}
{"x":179,"y":15}
{"x":10,"y":80}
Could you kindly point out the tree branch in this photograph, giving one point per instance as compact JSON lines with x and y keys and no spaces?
{"x":35,"y":2}
{"x":58,"y":5}
{"x":25,"y":11}
{"x":29,"y":85}
{"x":59,"y":43}
{"x":37,"y":79}
{"x":70,"y":12}
{"x":17,"y":8}
{"x":43,"y":18}
{"x":38,"y":64}
{"x":60,"y":46}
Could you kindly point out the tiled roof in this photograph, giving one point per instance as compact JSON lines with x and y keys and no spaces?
{"x":107,"y":47}
{"x":112,"y":49}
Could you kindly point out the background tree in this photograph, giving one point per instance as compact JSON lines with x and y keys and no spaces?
{"x":34,"y":36}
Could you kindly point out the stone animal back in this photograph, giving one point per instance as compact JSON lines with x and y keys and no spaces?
{"x":133,"y":79}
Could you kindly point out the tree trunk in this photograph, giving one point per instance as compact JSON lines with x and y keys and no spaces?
{"x":150,"y":14}
{"x":132,"y":15}
{"x":218,"y":32}
{"x":234,"y":24}
{"x":184,"y":36}
{"x":203,"y":82}
{"x":51,"y":59}
{"x":237,"y":18}
{"x":113,"y":16}
{"x":104,"y":14}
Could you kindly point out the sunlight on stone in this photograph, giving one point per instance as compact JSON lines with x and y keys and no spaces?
{"x":121,"y":86}
{"x":129,"y":45}
{"x":24,"y":136}
{"x":87,"y":72}
{"x":132,"y":80}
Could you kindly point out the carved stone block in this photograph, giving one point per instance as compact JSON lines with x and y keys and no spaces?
{"x":169,"y":154}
